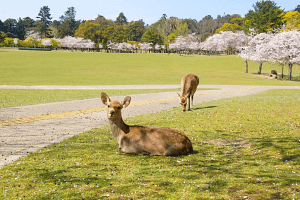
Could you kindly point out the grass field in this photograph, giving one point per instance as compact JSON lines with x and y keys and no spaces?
{"x":245,"y":148}
{"x":15,"y":97}
{"x":78,"y":68}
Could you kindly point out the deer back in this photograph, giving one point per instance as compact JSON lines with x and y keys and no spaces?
{"x":155,"y":141}
{"x":189,"y":84}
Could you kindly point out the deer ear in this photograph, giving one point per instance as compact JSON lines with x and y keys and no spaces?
{"x":126,"y":101}
{"x":104,"y":98}
{"x":178,"y":94}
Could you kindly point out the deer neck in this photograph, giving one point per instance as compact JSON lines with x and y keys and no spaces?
{"x":118,"y":127}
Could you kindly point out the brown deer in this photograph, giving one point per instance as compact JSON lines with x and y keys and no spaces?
{"x":142,"y":139}
{"x":189,"y":85}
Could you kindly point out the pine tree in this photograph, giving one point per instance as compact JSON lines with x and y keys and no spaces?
{"x":265,"y":17}
{"x":44,"y":22}
{"x":121,"y":19}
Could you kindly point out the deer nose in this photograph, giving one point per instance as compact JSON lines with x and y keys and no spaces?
{"x":111,"y":112}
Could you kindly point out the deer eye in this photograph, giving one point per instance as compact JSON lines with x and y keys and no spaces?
{"x":108,"y":106}
{"x":119,"y":107}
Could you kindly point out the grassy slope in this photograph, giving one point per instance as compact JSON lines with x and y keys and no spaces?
{"x":245,"y":148}
{"x":77,"y":68}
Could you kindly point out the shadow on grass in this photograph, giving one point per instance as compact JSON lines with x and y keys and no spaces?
{"x":201,"y":108}
{"x":280,"y":78}
{"x":288,"y":147}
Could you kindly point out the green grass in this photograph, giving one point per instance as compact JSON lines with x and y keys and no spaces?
{"x":245,"y":148}
{"x":78,"y":68}
{"x":24,"y":97}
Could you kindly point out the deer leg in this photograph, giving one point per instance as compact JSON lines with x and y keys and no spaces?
{"x":192,"y":103}
{"x":189,"y":102}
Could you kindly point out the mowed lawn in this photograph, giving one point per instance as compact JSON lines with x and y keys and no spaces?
{"x":88,"y":68}
{"x":245,"y":148}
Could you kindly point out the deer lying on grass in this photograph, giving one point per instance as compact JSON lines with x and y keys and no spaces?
{"x":189,"y":85}
{"x":141,"y":139}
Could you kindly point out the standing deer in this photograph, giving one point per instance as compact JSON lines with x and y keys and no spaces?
{"x":142,"y":139}
{"x":189,"y":85}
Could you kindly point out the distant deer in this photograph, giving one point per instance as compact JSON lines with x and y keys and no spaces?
{"x":142,"y":139}
{"x":189,"y":85}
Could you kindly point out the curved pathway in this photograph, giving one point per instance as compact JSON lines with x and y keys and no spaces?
{"x":26,"y":129}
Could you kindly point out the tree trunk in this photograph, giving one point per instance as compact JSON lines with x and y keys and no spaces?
{"x":282,"y":71}
{"x":290,"y":71}
{"x":260,"y":67}
{"x":246,"y":66}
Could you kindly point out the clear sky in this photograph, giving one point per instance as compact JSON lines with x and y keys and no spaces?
{"x":148,"y":10}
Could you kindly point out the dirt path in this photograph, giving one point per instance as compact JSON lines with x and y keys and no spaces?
{"x":26,"y":129}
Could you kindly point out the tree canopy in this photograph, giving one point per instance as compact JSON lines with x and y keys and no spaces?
{"x":121,"y":19}
{"x":265,"y":17}
{"x":44,"y":17}
{"x":152,"y":36}
{"x":292,"y":20}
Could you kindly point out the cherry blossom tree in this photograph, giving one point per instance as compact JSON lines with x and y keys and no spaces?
{"x":72,"y":42}
{"x":46,"y":42}
{"x":145,"y":46}
{"x":259,"y":48}
{"x":192,"y":42}
{"x":15,"y":41}
{"x":284,"y":48}
{"x":100,"y":46}
{"x":225,"y":41}
{"x":182,"y":43}
{"x":110,"y":45}
{"x":159,"y":47}
{"x":246,"y":55}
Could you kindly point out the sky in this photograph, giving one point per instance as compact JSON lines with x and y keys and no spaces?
{"x":148,"y":10}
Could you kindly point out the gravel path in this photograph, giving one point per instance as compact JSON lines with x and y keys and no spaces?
{"x":66,"y":119}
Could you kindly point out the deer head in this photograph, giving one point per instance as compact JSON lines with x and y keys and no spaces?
{"x":182,"y":101}
{"x":114,"y":107}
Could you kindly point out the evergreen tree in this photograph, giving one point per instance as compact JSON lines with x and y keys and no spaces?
{"x":164,"y":16}
{"x":68,"y":24}
{"x":44,"y":22}
{"x":135,"y":30}
{"x":265,"y":17}
{"x":105,"y":23}
{"x":20,"y":29}
{"x":152,"y":36}
{"x":2,"y":27}
{"x":297,"y":8}
{"x":121,"y":19}
{"x":10,"y":27}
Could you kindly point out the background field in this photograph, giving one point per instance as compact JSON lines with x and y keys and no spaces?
{"x":15,"y":97}
{"x":77,"y":68}
{"x":245,"y":148}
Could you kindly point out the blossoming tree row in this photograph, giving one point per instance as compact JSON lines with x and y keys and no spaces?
{"x":282,"y":47}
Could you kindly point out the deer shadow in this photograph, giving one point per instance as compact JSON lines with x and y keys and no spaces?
{"x":207,"y":107}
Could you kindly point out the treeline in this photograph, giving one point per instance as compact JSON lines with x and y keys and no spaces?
{"x":265,"y":16}
{"x":42,"y":27}
{"x":103,"y":29}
